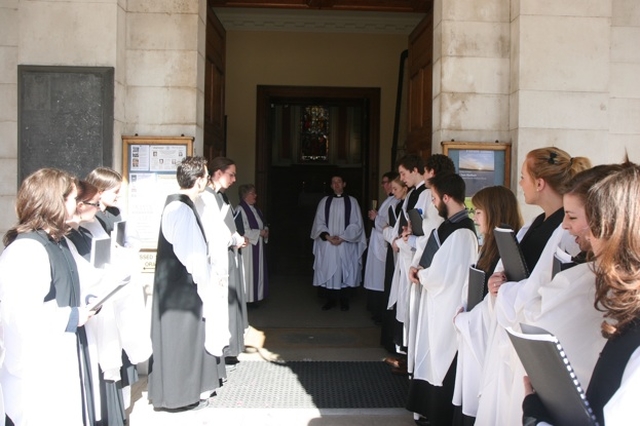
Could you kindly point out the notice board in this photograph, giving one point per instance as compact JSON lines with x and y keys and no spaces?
{"x":149,"y":166}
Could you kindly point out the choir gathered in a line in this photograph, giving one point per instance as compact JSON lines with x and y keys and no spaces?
{"x":463,"y":369}
{"x":67,"y":359}
{"x":78,"y":362}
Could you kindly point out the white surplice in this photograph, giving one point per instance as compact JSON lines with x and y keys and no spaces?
{"x":39,"y":376}
{"x":500,"y":401}
{"x":403,"y":294}
{"x":219,"y":239}
{"x":340,"y":266}
{"x":377,"y":254}
{"x":443,"y":287}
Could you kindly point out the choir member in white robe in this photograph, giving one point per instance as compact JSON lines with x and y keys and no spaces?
{"x":218,"y":236}
{"x":374,"y":272}
{"x":611,"y":208}
{"x":41,"y":311}
{"x":338,"y":243}
{"x":223,"y":175}
{"x":122,"y":330}
{"x":493,"y":206}
{"x":391,"y":330}
{"x":128,"y":310}
{"x":183,"y":373}
{"x":443,"y":280}
{"x":544,"y":176}
{"x":256,"y":276}
{"x":435,"y":165}
{"x":411,"y":169}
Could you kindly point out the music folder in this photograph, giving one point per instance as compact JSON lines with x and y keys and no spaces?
{"x":476,"y":287}
{"x":100,"y":252}
{"x":415,"y":217}
{"x":552,"y":376}
{"x":118,"y":234}
{"x":515,"y":268}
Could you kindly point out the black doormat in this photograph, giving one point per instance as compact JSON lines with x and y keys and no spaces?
{"x":312,"y":384}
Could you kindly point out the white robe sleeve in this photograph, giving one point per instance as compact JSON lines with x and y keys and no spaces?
{"x":252,"y":234}
{"x":180,"y":228}
{"x":354,"y":232}
{"x":444,"y":287}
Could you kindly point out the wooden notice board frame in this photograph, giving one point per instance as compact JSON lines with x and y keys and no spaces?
{"x":480,"y":164}
{"x":149,"y":166}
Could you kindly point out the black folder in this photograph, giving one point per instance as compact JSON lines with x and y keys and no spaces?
{"x":415,"y":217}
{"x":515,"y":268}
{"x":476,"y":287}
{"x":100,"y":252}
{"x":552,"y":376}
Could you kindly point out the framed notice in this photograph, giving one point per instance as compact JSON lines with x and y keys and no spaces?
{"x":480,"y":164}
{"x":149,"y":169}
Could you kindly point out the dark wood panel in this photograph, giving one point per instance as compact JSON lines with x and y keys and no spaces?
{"x":214,"y":91}
{"x":421,"y":88}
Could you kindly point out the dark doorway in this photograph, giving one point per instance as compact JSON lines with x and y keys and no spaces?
{"x":306,"y":135}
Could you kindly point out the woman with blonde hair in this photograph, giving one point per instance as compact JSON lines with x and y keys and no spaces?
{"x":544,"y":176}
{"x":42,"y":312}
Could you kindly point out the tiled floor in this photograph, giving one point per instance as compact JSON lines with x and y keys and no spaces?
{"x":290,"y":325}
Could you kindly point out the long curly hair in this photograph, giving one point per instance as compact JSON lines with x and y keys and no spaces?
{"x":613,"y":212}
{"x":40,"y":204}
{"x":500,"y":206}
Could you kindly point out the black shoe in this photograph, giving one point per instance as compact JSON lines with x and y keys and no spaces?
{"x":344,"y":304}
{"x":422,"y":421}
{"x":231,"y":360}
{"x":330,"y":304}
{"x":178,"y":409}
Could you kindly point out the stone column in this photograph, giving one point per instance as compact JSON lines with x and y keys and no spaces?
{"x":164,"y":51}
{"x":471,"y":71}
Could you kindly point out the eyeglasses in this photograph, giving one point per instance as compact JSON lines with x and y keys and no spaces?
{"x":91,"y":204}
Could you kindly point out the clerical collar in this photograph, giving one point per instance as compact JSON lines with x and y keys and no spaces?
{"x":338,"y":195}
{"x":462,"y":214}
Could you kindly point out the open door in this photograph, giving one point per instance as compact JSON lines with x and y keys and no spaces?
{"x":420,"y":90}
{"x":214,"y":144}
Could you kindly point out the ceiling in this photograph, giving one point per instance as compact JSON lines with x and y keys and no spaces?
{"x":409,"y":6}
{"x":340,"y":16}
{"x":317,"y":20}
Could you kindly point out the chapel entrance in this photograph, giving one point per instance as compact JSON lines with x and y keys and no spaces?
{"x":306,"y":135}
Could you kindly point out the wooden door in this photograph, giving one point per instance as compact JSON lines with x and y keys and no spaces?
{"x":420,"y":90}
{"x":214,"y":117}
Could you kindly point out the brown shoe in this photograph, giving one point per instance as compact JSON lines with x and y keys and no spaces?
{"x":392,"y":361}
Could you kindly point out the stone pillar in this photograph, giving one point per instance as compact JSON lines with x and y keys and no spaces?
{"x":559,"y":79}
{"x":8,"y":112}
{"x":164,"y":82}
{"x":471,"y":71}
{"x":624,"y":95}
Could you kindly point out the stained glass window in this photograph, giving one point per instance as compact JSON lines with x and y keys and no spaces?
{"x":314,"y":133}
